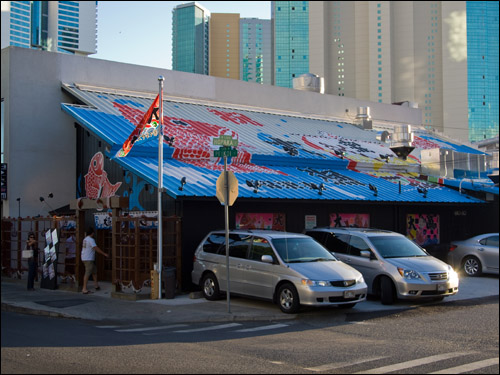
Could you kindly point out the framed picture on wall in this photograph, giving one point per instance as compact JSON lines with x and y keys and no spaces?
{"x":423,"y":229}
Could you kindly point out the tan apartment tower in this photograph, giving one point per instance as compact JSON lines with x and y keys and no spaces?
{"x":225,"y":45}
{"x":411,"y":52}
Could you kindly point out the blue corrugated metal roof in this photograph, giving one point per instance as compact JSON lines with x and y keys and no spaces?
{"x":290,"y":156}
{"x":482,"y":185}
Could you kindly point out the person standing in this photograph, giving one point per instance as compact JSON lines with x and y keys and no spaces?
{"x":31,"y":244}
{"x":88,"y":257}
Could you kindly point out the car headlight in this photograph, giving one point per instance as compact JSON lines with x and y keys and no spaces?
{"x":452,"y":274}
{"x":315,"y":282}
{"x":408,"y":274}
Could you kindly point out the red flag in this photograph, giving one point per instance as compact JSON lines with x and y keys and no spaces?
{"x":147,"y":128}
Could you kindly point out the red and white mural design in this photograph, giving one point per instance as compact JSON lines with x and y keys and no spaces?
{"x":97,"y":184}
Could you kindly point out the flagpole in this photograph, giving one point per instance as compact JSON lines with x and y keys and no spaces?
{"x":160,"y":186}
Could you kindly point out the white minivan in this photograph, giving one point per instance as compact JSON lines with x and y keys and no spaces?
{"x":392,"y":265}
{"x":289,"y":269}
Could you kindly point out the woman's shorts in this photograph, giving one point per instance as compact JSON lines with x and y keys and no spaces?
{"x":90,"y":267}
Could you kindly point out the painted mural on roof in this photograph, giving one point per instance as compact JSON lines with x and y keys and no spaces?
{"x":193,"y":139}
{"x":278,"y":156}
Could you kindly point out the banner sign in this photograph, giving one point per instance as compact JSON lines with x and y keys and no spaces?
{"x":274,"y":221}
{"x":350,"y":220}
{"x":4,"y":181}
{"x":102,"y":220}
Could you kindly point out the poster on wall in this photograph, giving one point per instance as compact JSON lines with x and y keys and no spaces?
{"x":423,"y":229}
{"x":310,"y":221}
{"x":250,"y":220}
{"x":350,"y":220}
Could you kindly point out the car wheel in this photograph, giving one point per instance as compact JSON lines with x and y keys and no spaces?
{"x":210,"y":287}
{"x":288,"y":299}
{"x":387,"y":291}
{"x":472,"y":266}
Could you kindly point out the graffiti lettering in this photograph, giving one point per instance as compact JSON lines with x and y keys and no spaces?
{"x":234,"y":117}
{"x":331,"y":176}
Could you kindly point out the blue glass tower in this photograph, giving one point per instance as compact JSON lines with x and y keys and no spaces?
{"x":291,"y":40}
{"x":190,"y":38}
{"x":482,"y":69}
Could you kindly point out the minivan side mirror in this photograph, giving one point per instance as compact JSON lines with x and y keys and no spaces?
{"x":366,"y":254}
{"x":267,"y":259}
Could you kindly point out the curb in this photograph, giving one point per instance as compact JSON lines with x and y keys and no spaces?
{"x":29,"y":311}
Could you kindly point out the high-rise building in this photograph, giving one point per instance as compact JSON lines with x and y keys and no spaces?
{"x":190,"y":51}
{"x":57,"y":26}
{"x":256,"y":55}
{"x":482,"y":69}
{"x":225,"y":45}
{"x":290,"y":40}
{"x":441,"y":55}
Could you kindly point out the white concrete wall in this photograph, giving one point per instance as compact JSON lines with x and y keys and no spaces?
{"x":40,"y":137}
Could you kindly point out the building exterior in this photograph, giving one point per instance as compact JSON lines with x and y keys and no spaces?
{"x":301,"y":158}
{"x":290,"y":40}
{"x":482,"y":69}
{"x":439,"y":55}
{"x":225,"y":45}
{"x":57,"y":26}
{"x":190,"y":38}
{"x":256,"y":56}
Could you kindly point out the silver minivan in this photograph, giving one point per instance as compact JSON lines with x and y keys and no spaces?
{"x":392,"y":265}
{"x":289,"y":269}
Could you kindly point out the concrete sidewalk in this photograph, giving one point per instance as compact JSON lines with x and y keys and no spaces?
{"x":100,"y":306}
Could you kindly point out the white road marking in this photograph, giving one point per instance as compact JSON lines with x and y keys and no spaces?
{"x":332,"y":366}
{"x":414,"y":363}
{"x":143,"y":329}
{"x":469,"y":367}
{"x":262,"y":328}
{"x":221,"y":326}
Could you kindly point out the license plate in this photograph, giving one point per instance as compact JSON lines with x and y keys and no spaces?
{"x":349,"y":294}
{"x":441,"y":287}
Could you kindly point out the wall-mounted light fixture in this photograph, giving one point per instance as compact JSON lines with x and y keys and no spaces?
{"x":169,"y":140}
{"x":42,"y":200}
{"x":183,"y":182}
{"x":319,"y":187}
{"x":254,"y":184}
{"x":422,"y":191}
{"x":385,"y":157}
{"x":19,"y":204}
{"x":340,"y":154}
{"x":374,"y":189}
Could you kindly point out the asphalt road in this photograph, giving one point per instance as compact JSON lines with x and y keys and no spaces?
{"x":460,"y":337}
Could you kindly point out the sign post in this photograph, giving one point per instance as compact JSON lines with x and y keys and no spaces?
{"x":227,"y":191}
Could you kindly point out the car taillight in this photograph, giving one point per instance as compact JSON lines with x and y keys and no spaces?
{"x":453,"y":247}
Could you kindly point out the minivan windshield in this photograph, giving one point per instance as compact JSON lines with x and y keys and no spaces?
{"x":396,"y":247}
{"x":298,"y":250}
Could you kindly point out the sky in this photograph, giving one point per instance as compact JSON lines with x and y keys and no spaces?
{"x":140,"y":32}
